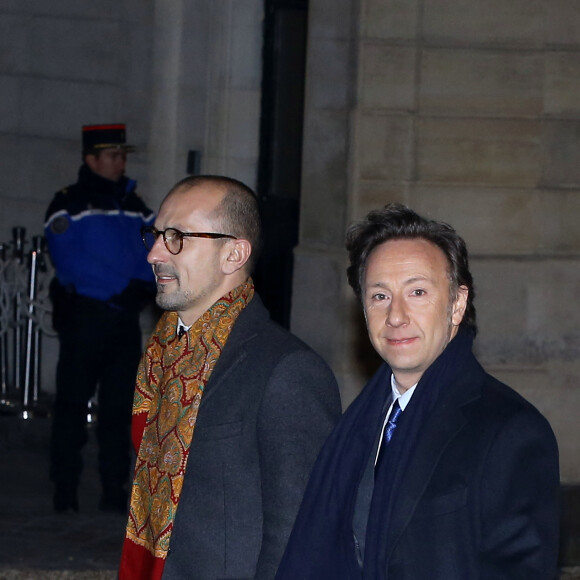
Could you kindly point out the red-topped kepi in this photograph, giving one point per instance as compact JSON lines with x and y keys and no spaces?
{"x":111,"y":136}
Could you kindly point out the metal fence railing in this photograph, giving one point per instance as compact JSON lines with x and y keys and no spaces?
{"x":25,"y":315}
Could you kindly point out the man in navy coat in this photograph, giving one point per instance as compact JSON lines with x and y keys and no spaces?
{"x":437,"y":470}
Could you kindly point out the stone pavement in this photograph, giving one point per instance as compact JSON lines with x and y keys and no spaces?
{"x":36,"y":543}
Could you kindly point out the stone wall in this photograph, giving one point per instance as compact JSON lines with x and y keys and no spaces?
{"x":184,"y":75}
{"x":64,"y":64}
{"x":467,"y":111}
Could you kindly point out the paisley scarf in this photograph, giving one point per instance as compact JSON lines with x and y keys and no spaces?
{"x":171,"y":380}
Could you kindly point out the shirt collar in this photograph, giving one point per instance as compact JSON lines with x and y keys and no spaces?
{"x":405,"y":397}
{"x":181,"y":325}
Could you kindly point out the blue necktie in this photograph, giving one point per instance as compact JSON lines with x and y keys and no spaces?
{"x":365,"y":491}
{"x":389,"y":430}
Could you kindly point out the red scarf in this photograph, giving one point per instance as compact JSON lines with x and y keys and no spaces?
{"x":171,"y":379}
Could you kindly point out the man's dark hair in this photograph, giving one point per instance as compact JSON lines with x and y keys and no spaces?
{"x":395,"y":222}
{"x":95,"y":152}
{"x":238,"y":213}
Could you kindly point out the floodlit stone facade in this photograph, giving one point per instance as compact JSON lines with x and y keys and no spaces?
{"x":468,"y":111}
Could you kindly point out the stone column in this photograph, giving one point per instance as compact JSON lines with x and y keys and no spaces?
{"x":320,"y":305}
{"x":167,"y":57}
{"x":207,"y":74}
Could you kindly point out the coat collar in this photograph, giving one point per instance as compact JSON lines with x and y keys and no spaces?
{"x":446,"y":420}
{"x":236,"y":349}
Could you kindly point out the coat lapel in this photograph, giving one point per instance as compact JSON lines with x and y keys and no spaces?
{"x":444,"y":423}
{"x":236,"y":348}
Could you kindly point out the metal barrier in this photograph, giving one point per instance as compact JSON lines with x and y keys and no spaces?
{"x":25,"y":315}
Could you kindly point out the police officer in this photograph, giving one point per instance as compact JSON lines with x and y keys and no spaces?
{"x":102,"y":282}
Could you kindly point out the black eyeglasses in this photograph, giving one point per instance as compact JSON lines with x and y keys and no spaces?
{"x":173,"y":238}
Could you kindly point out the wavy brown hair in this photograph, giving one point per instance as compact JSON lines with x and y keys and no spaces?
{"x":394,"y":222}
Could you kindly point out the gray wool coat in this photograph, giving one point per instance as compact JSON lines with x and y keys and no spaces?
{"x":267,"y":409}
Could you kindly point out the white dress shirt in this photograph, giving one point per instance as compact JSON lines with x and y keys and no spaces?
{"x":403,"y":402}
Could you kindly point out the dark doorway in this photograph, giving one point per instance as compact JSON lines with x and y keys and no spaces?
{"x":280,"y":163}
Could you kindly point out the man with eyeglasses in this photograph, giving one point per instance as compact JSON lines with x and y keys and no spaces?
{"x":102,"y":281}
{"x":230,"y":409}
